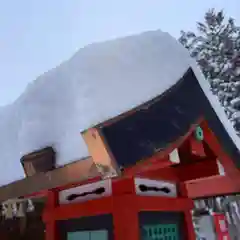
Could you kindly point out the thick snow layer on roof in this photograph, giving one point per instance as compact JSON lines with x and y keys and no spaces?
{"x":99,"y":82}
{"x":215,"y":104}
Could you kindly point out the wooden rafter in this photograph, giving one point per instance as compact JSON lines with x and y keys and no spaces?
{"x":100,"y":153}
{"x":75,"y":172}
{"x":213,"y":186}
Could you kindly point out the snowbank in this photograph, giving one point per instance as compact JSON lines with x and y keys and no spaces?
{"x":99,"y":82}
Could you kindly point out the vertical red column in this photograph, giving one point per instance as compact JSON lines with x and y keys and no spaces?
{"x":189,"y":225}
{"x":188,"y":221}
{"x":52,"y":202}
{"x":125,"y":210}
{"x":221,"y":226}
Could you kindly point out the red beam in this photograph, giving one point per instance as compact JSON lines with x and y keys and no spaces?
{"x":76,"y":184}
{"x":195,"y":170}
{"x":188,"y":226}
{"x":89,"y":208}
{"x":212,"y":186}
{"x":168,"y":174}
{"x":44,"y":193}
{"x":40,"y":194}
{"x":196,"y":147}
{"x":150,"y":164}
{"x":175,"y":174}
{"x":160,"y":159}
{"x":149,"y":203}
{"x":51,"y":228}
{"x":123,"y":186}
{"x":218,"y":150}
{"x":125,"y":217}
{"x":200,"y":169}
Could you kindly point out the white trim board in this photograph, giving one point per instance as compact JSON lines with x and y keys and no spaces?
{"x":174,"y":156}
{"x":91,"y":191}
{"x":86,"y":192}
{"x":147,"y":187}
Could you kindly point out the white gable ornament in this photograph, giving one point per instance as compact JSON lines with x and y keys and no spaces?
{"x":174,"y":156}
{"x":148,"y":187}
{"x":86,"y":192}
{"x":16,"y":208}
{"x":30,"y":206}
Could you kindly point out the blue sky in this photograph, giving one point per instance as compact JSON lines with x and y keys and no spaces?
{"x":38,"y":35}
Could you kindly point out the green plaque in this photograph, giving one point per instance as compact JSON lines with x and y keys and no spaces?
{"x":160,"y":232}
{"x":88,"y":235}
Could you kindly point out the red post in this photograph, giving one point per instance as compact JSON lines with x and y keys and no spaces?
{"x":189,"y":228}
{"x":52,"y":202}
{"x":189,"y":225}
{"x":125,"y":218}
{"x":125,"y":210}
{"x":221,"y":227}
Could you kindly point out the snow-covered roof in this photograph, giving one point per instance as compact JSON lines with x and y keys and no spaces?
{"x":99,"y":82}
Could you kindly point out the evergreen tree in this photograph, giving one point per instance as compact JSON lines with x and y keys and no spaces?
{"x":216,"y":47}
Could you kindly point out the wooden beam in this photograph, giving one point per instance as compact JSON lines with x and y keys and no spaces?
{"x":161,"y":159}
{"x":125,"y":217}
{"x":215,"y":146}
{"x":152,"y":203}
{"x":166,"y":173}
{"x":147,"y":166}
{"x":99,"y":206}
{"x":51,"y":232}
{"x":75,"y":172}
{"x":100,"y":153}
{"x":212,"y":186}
{"x":178,"y":173}
{"x":42,"y":160}
{"x":200,"y":169}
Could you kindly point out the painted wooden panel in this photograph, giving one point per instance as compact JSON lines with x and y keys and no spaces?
{"x":174,"y":156}
{"x":160,"y":232}
{"x":78,"y":235}
{"x":147,"y":187}
{"x":88,"y":235}
{"x":86,"y":192}
{"x":99,"y":235}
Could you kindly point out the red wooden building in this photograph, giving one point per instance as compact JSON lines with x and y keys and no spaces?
{"x":144,"y":170}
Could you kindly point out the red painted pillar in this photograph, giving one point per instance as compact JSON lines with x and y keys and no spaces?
{"x":125,"y":210}
{"x":189,"y":225}
{"x":188,"y":221}
{"x":125,"y":218}
{"x":50,"y":233}
{"x":50,"y":224}
{"x":221,"y":226}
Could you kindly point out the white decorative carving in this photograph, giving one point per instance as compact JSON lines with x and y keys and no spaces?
{"x":20,"y":213}
{"x":147,"y":187}
{"x":86,"y":192}
{"x":30,"y":206}
{"x":106,"y":171}
{"x":15,"y":207}
{"x":174,"y":156}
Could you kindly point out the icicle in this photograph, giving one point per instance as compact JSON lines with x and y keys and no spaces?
{"x":218,"y":204}
{"x":228,"y":218}
{"x":14,"y":209}
{"x":20,"y":211}
{"x":9,"y":212}
{"x":30,"y":206}
{"x":4,"y":209}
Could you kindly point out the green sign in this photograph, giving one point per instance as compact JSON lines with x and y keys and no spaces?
{"x":88,"y":235}
{"x":160,"y":232}
{"x":199,"y":133}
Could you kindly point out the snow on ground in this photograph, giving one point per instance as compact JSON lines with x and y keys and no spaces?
{"x":99,"y":82}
